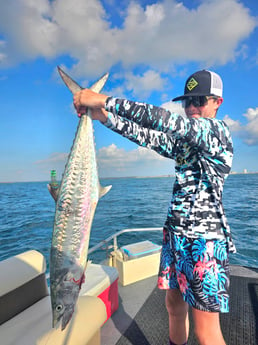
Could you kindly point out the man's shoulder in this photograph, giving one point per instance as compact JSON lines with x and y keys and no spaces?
{"x":215,"y":122}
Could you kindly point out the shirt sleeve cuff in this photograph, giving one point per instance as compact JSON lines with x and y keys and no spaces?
{"x":110,"y":104}
{"x":110,"y":123}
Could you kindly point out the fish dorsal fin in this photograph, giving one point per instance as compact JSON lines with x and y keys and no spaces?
{"x":104,"y":190}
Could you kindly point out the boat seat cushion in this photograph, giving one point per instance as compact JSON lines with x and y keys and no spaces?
{"x":34,"y":325}
{"x":23,"y":283}
{"x":102,"y":281}
{"x":97,"y":279}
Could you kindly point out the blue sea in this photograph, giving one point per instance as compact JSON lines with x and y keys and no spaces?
{"x":27,"y":214}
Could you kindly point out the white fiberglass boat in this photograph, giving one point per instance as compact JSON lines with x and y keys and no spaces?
{"x":119,"y":303}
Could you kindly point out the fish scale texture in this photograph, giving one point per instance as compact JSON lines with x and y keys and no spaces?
{"x":79,"y":193}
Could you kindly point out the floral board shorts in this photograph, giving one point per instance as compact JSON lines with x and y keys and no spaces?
{"x":199,"y":268}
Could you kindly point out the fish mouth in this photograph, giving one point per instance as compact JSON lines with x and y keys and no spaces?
{"x":56,"y":318}
{"x":55,"y":322}
{"x":62,"y":319}
{"x":65,"y":319}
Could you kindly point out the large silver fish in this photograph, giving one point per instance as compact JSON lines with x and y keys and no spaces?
{"x":76,"y":202}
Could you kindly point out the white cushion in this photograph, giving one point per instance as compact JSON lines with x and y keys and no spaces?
{"x":34,"y":325}
{"x":97,"y":279}
{"x":20,"y":269}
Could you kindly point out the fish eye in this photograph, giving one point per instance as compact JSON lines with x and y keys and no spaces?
{"x":59,"y":307}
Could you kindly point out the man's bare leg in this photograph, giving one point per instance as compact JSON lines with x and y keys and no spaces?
{"x":178,"y":317}
{"x":207,"y":328}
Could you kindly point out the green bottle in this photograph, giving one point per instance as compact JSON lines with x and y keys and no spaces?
{"x":53,"y":186}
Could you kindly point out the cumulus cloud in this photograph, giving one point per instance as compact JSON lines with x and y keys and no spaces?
{"x":234,"y":125}
{"x":114,"y":161}
{"x":249,"y":131}
{"x":151,"y":35}
{"x":174,"y":107}
{"x":143,"y":85}
{"x":251,"y":128}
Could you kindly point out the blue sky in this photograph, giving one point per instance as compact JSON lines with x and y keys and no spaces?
{"x":149,"y":48}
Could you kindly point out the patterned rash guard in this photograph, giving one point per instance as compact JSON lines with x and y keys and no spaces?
{"x":203,"y":151}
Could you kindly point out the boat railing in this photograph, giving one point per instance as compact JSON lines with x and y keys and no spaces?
{"x":105,"y":244}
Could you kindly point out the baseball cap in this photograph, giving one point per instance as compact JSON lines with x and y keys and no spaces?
{"x":202,"y":83}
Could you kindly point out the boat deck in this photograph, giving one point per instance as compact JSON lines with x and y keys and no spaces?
{"x":142,"y":317}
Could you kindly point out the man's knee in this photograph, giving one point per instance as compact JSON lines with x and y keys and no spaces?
{"x":175,"y":304}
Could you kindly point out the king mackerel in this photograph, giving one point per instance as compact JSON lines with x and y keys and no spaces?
{"x":76,"y":201}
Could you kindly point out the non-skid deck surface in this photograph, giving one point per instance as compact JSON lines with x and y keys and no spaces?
{"x":240,"y":326}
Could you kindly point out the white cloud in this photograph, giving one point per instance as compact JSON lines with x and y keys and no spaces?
{"x":174,"y":107}
{"x":152,"y":35}
{"x":251,"y":128}
{"x":114,"y":161}
{"x":242,"y":52}
{"x":249,"y":131}
{"x":234,"y":126}
{"x":143,"y":85}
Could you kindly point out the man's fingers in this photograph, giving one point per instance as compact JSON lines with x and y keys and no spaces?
{"x":81,"y":111}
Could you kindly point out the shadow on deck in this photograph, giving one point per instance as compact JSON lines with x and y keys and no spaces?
{"x":240,"y":326}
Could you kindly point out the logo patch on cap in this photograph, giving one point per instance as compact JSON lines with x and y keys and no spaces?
{"x":192,"y":83}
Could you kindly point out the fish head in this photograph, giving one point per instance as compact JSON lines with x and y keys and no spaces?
{"x":64,"y":294}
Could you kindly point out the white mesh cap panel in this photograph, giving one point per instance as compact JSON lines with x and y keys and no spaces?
{"x":216,"y":84}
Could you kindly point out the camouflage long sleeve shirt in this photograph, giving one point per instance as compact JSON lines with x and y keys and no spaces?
{"x":203,"y":151}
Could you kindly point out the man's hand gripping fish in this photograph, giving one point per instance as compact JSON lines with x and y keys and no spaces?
{"x":76,"y":202}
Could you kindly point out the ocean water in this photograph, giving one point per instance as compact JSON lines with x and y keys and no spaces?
{"x":27,"y":214}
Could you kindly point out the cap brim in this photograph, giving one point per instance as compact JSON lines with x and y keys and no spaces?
{"x":181,"y":98}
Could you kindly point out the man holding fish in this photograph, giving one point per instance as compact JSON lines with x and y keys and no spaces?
{"x":194,"y":266}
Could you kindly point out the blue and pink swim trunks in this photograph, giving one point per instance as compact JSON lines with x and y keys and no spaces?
{"x":199,"y":268}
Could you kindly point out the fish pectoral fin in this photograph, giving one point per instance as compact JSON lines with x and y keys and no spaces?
{"x":53,"y":191}
{"x":104,"y":190}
